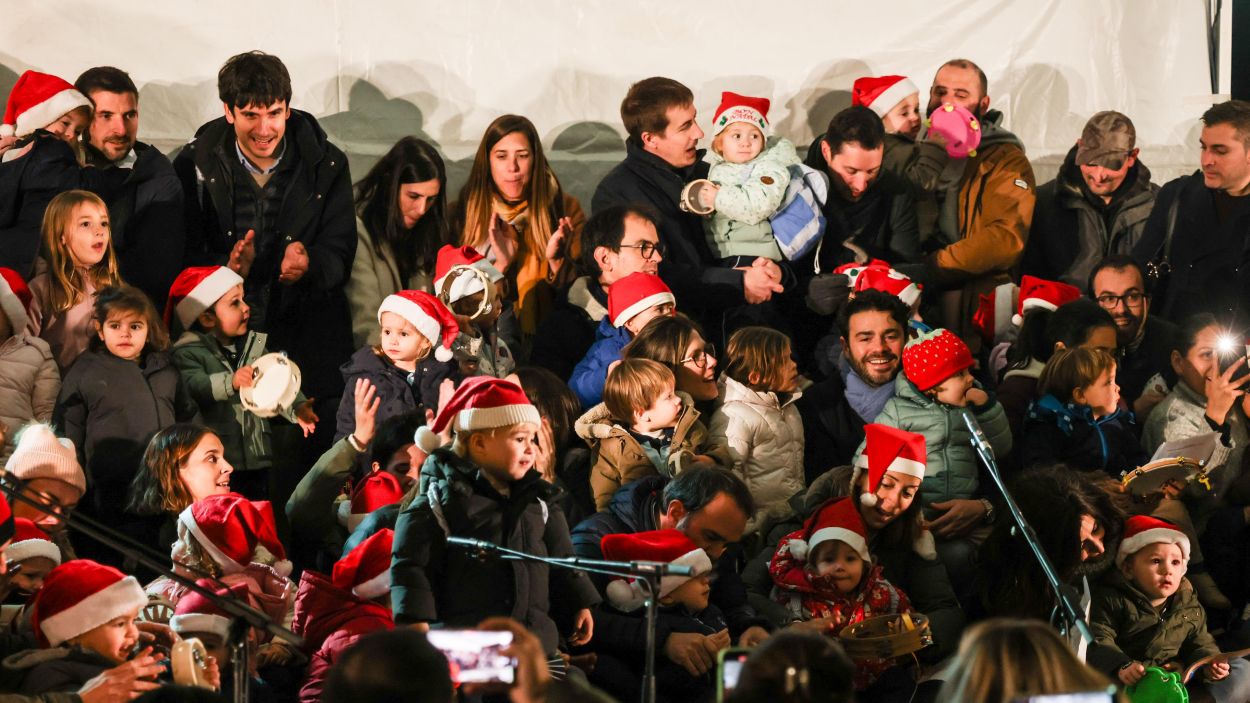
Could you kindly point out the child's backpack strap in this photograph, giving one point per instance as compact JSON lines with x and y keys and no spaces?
{"x":799,"y":223}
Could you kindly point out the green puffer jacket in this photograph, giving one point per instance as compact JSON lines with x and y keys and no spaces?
{"x":1127,"y":628}
{"x":749,"y":194}
{"x":208,"y":376}
{"x":952,"y":469}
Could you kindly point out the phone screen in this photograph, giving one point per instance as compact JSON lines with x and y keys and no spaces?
{"x":1232,"y":354}
{"x":476,"y":656}
{"x":731,"y":661}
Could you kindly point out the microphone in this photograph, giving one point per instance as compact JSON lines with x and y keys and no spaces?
{"x":978,"y":437}
{"x":478,"y":545}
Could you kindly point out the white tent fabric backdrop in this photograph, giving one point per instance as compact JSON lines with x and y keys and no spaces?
{"x":374,"y":71}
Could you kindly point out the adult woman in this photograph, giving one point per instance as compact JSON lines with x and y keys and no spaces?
{"x":401,"y":222}
{"x":678,"y":343}
{"x":513,"y":210}
{"x":182,"y":464}
{"x":1003,"y":660}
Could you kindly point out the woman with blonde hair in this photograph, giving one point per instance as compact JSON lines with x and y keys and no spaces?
{"x":1002,"y":660}
{"x":515,"y":213}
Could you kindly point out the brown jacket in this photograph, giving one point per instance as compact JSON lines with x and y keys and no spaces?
{"x":619,"y":459}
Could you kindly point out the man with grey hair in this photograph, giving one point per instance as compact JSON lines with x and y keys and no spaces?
{"x":1096,"y":206}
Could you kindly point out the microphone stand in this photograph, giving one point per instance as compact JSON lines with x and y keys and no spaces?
{"x":1071,"y":618}
{"x":648,"y":573}
{"x":243,"y":616}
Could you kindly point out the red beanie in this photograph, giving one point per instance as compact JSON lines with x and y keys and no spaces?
{"x":934,"y":357}
{"x":740,"y":108}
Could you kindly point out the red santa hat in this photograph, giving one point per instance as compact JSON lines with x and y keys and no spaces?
{"x":428,"y":314}
{"x":29,"y":542}
{"x":36,"y":101}
{"x":1040,"y":293}
{"x":934,"y":357}
{"x":1141,"y":531}
{"x":379,"y":489}
{"x":996,"y":312}
{"x":740,"y":108}
{"x":79,"y":596}
{"x":665,"y":546}
{"x":480,"y":403}
{"x":888,"y":449}
{"x":235,"y":531}
{"x":14,"y":298}
{"x":463,"y":286}
{"x":837,"y":518}
{"x":885,"y":279}
{"x":195,"y":614}
{"x":634,"y":293}
{"x":197,"y":289}
{"x":881,"y":93}
{"x":7,"y":524}
{"x":366,"y":570}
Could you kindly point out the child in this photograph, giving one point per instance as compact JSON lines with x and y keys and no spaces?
{"x":80,"y":255}
{"x":29,"y":380}
{"x":1142,"y":617}
{"x":198,"y":617}
{"x":479,"y":349}
{"x":759,"y":422}
{"x":84,"y":618}
{"x":750,"y":183}
{"x":921,"y":162}
{"x":41,"y":102}
{"x":824,"y":570}
{"x":643,"y":427}
{"x":486,"y":477}
{"x":30,"y":557}
{"x":215,"y":355}
{"x":332,"y":614}
{"x":633,"y":301}
{"x":119,"y":394}
{"x":1078,"y":420}
{"x":682,"y":606}
{"x":414,"y":323}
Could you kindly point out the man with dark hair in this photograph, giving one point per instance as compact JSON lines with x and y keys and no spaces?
{"x":1097,"y":205}
{"x":1118,"y":285}
{"x":983,"y":218}
{"x":661,"y":158}
{"x":145,"y":213}
{"x":1195,"y":238}
{"x":270,"y":196}
{"x":616,"y":241}
{"x":873,"y":329}
{"x":711,"y":506}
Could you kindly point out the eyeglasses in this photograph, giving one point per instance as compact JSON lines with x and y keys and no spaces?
{"x":1130,"y":299}
{"x":645,"y":249}
{"x":701,"y":357}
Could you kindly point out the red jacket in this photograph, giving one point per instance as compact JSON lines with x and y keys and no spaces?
{"x":330,"y":621}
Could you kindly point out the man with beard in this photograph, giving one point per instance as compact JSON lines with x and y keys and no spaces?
{"x":1144,"y":340}
{"x":983,"y":219}
{"x":1097,"y":205}
{"x":873,"y":328}
{"x":145,"y":213}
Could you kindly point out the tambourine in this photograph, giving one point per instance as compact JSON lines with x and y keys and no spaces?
{"x":690,"y":200}
{"x":158,"y":610}
{"x":1152,"y":477}
{"x":274,"y":388}
{"x":188,"y":661}
{"x":462,"y":281}
{"x":886,"y":636}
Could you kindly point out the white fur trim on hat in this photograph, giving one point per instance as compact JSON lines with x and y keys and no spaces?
{"x":427,"y":439}
{"x":31,"y":548}
{"x":853,"y":540}
{"x":46,"y":112}
{"x":420,"y":319}
{"x":1029,"y":304}
{"x":205,"y":294}
{"x":228,"y":565}
{"x":629,"y":596}
{"x":375,"y":587}
{"x":93,"y":611}
{"x":648,"y":302}
{"x":1169,"y":535}
{"x":907,"y":467}
{"x":471,"y":419}
{"x":193,"y":623}
{"x":892,"y":96}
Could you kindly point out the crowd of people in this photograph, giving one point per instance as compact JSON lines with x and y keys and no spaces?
{"x":783,"y":372}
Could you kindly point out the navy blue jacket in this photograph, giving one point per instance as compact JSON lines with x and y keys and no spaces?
{"x":1067,"y":433}
{"x":592,"y":371}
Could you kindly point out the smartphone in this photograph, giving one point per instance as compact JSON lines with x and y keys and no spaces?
{"x":1090,"y":697}
{"x":476,"y":656}
{"x":728,"y":668}
{"x":1230,"y":352}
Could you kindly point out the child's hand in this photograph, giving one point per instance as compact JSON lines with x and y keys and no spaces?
{"x":294,"y":263}
{"x":1217,"y":670}
{"x":717,"y":642}
{"x":124,"y":682}
{"x":752,"y":636}
{"x":366,"y":401}
{"x":243,"y":377}
{"x":707,"y":195}
{"x":1132,"y":673}
{"x":976,"y":396}
{"x":545,"y":450}
{"x":306,"y":418}
{"x":583,"y":625}
{"x":242,"y":254}
{"x":212,"y":672}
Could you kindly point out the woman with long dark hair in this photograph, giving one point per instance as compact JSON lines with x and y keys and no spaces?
{"x":401,"y":220}
{"x":513,"y":211}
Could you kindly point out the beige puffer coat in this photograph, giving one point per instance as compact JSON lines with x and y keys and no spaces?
{"x":29,"y":384}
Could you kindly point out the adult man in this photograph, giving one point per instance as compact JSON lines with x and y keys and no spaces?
{"x":1196,"y":235}
{"x":661,"y":157}
{"x":711,"y":506}
{"x":145,"y":212}
{"x":1144,"y":340}
{"x":984,"y":218}
{"x":270,"y":196}
{"x":616,"y":241}
{"x":873,"y":329}
{"x":1096,"y":206}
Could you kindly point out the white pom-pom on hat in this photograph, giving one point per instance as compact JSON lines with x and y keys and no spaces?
{"x":427,"y":439}
{"x":798,"y":549}
{"x":625,"y":595}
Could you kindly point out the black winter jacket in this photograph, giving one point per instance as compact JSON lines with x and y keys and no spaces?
{"x":397,"y":393}
{"x":832,"y":430}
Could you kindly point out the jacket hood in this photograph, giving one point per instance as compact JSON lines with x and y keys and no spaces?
{"x":597,"y":423}
{"x":1071,"y":187}
{"x":606,"y":330}
{"x":904,"y":389}
{"x":637,"y":505}
{"x":993,"y":133}
{"x":580,"y":296}
{"x":1067,"y":415}
{"x":321,"y":609}
{"x":733,"y":391}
